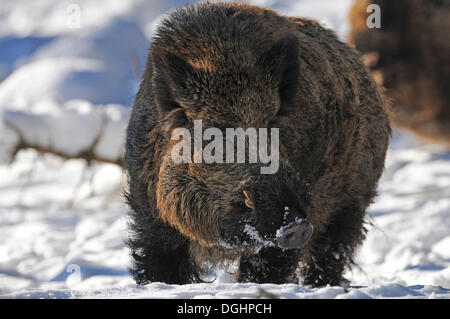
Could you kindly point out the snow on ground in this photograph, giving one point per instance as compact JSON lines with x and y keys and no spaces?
{"x":62,"y":227}
{"x":409,"y":240}
{"x":63,"y":223}
{"x":243,"y":291}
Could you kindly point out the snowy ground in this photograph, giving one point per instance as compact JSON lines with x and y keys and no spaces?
{"x":62,"y":223}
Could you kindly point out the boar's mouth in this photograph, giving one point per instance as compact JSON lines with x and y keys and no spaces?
{"x":292,"y":234}
{"x":256,"y":218}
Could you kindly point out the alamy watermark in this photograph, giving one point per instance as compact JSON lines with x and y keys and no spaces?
{"x":237,"y":146}
{"x":73,"y":15}
{"x":75,"y":270}
{"x":374,"y":19}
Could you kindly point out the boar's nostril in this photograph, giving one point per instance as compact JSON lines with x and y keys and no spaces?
{"x":288,"y":236}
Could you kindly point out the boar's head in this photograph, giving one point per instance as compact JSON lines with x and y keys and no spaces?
{"x":229,"y":204}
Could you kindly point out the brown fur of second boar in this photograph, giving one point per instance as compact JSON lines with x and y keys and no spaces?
{"x":410,"y":56}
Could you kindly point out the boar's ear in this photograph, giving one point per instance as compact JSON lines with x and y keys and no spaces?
{"x":170,"y":73}
{"x":281,"y":62}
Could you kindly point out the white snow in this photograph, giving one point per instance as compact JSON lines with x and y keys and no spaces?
{"x":409,"y":241}
{"x":63,"y":223}
{"x":51,"y":125}
{"x":241,"y":291}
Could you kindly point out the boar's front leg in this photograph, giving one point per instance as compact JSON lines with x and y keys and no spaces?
{"x":161,"y":254}
{"x":331,"y":252}
{"x":269,"y":265}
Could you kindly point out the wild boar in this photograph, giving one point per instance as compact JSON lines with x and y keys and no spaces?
{"x":233,"y":65}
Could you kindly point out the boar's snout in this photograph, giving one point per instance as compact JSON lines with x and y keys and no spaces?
{"x":280,"y":209}
{"x":295,"y":236}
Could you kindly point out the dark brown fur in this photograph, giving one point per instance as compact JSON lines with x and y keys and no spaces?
{"x":236,"y":65}
{"x":410,"y":56}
